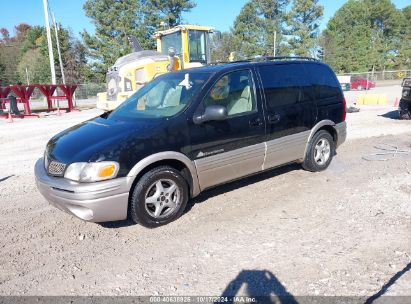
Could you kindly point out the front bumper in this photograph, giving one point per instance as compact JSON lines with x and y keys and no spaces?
{"x":94,"y":202}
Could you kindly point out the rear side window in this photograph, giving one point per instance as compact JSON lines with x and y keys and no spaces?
{"x":285,"y":84}
{"x":324,"y":80}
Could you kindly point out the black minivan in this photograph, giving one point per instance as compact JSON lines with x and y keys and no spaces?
{"x":190,"y":130}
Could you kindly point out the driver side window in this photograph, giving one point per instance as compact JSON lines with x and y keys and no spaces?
{"x":235,"y":91}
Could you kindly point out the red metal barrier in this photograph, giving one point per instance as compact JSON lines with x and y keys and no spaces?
{"x":48,"y":91}
{"x":24,"y":93}
{"x":4,"y":92}
{"x":69,"y":91}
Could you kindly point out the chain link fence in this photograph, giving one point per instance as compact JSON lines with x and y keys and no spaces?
{"x":89,"y":90}
{"x":86,"y":94}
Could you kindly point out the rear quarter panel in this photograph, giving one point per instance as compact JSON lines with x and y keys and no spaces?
{"x":329,"y":96}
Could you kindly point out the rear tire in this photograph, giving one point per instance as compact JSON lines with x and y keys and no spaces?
{"x":321,"y":150}
{"x":159,"y":197}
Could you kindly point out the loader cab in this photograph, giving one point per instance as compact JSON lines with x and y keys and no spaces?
{"x":190,"y":43}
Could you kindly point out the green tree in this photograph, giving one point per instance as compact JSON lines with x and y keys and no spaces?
{"x":274,"y":18}
{"x":403,"y":58}
{"x":168,"y":11}
{"x":2,"y":69}
{"x":113,"y":21}
{"x":304,"y":25}
{"x":385,"y":23}
{"x":11,"y":52}
{"x":35,"y":46}
{"x":346,"y":40}
{"x":366,"y":35}
{"x":34,"y":38}
{"x":247,"y":31}
{"x":254,"y":27}
{"x":34,"y":66}
{"x":116,"y":20}
{"x":222,"y":46}
{"x":65,"y":38}
{"x":27,"y":53}
{"x":75,"y":63}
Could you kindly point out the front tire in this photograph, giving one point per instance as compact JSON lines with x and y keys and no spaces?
{"x":159,"y":197}
{"x":321,"y":150}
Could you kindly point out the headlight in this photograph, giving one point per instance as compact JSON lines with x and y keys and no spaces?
{"x":92,"y":172}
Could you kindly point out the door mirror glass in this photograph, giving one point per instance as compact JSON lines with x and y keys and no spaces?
{"x":212,"y":112}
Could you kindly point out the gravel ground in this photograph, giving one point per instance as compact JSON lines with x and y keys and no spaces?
{"x":345,"y":231}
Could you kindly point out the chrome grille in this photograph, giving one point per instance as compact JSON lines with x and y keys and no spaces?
{"x":56,"y":168}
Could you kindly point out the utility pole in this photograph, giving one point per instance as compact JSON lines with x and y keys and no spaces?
{"x":58,"y":50}
{"x":275,"y":42}
{"x":27,"y":76}
{"x":50,"y":46}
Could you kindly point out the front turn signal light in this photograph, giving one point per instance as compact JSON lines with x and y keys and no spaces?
{"x":107,"y":171}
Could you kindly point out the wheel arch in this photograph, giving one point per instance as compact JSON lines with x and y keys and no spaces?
{"x":327,"y":125}
{"x":169,"y":158}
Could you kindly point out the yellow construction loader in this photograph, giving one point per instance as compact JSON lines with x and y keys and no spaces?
{"x":181,"y":47}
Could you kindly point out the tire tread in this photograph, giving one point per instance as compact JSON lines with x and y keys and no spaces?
{"x":142,"y":185}
{"x":309,"y":163}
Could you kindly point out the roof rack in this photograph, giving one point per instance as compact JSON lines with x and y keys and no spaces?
{"x":228,"y":62}
{"x":271,"y":58}
{"x":265,"y":58}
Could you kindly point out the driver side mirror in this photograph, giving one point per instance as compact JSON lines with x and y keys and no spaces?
{"x":213,"y":112}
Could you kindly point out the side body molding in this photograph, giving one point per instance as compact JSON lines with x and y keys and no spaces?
{"x":168,"y":155}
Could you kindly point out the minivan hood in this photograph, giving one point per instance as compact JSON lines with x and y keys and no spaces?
{"x":97,"y":139}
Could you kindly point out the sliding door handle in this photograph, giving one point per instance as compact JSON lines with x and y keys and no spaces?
{"x":274,"y":118}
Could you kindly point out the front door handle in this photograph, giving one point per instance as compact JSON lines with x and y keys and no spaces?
{"x":274,"y":118}
{"x":256,"y":122}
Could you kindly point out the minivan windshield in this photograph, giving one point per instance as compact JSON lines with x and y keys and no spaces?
{"x":165,"y":96}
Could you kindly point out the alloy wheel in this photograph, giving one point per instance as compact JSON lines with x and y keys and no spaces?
{"x":322,"y":151}
{"x":162,"y":198}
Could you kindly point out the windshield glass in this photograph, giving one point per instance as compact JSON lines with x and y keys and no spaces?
{"x":171,"y":40}
{"x":164,"y":96}
{"x":197,"y":46}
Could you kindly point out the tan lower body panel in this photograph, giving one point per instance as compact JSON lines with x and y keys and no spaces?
{"x":285,"y":149}
{"x":224,"y":167}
